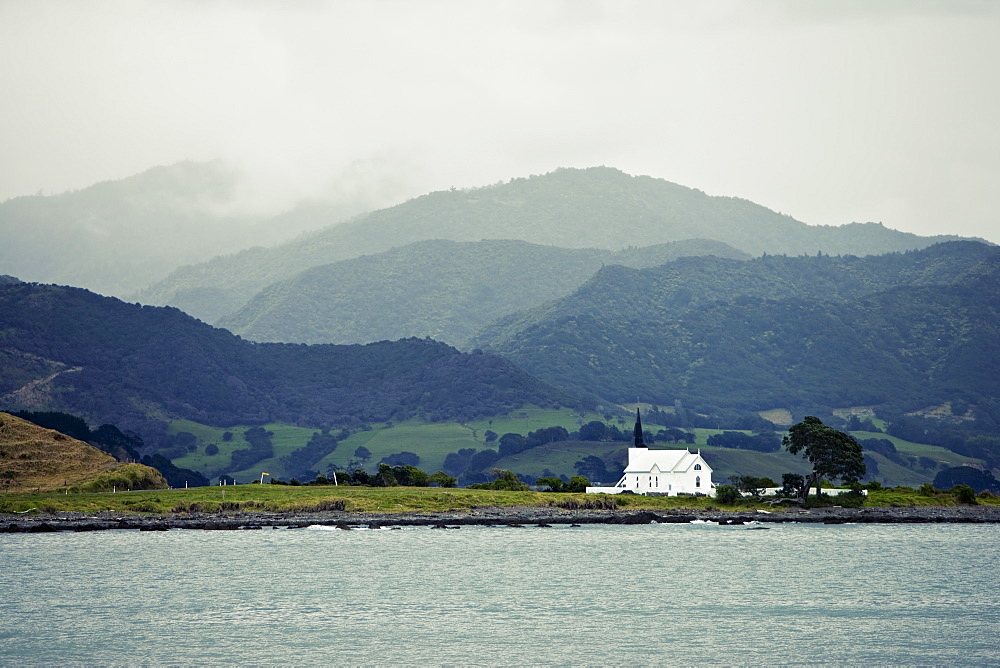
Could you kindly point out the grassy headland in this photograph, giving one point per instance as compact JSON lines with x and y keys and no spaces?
{"x":289,"y":499}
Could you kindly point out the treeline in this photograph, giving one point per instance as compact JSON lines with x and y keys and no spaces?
{"x":402,"y":475}
{"x":965,"y":438}
{"x":303,"y":460}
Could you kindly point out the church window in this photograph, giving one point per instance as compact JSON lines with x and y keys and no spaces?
{"x":697,"y":467}
{"x":697,"y":481}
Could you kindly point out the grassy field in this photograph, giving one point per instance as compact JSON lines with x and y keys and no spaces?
{"x":433,"y":441}
{"x":282,"y":498}
{"x":278,"y":498}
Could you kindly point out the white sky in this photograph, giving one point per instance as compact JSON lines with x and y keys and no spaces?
{"x":830,"y":111}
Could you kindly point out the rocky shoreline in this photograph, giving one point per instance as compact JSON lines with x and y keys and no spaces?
{"x":520,"y":516}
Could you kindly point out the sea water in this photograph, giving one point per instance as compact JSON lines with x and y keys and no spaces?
{"x":659,"y":594}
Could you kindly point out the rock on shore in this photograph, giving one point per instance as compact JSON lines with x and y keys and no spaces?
{"x":526,"y":516}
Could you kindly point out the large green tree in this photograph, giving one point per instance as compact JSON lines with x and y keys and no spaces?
{"x":832,"y":453}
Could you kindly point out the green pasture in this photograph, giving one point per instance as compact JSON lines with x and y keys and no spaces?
{"x":284,"y":498}
{"x":559,"y":457}
{"x":286,"y":439}
{"x":433,"y":441}
{"x":935,"y":452}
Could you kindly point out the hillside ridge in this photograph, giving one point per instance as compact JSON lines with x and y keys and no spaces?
{"x":598,"y":207}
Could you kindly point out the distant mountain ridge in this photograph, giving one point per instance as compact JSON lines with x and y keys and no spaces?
{"x":903,"y":332}
{"x":445,"y":290}
{"x":120,"y":236}
{"x":598,"y":207}
{"x":70,"y":350}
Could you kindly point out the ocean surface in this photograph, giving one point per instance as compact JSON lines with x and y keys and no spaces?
{"x":661,"y":594}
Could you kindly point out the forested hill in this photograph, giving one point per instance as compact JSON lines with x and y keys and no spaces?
{"x":901,"y":332}
{"x":445,"y":290}
{"x":571,"y":208}
{"x":70,"y":350}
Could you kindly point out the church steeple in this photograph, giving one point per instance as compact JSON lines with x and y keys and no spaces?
{"x":637,"y":432}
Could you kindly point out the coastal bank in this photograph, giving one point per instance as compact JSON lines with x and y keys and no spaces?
{"x":508,"y":516}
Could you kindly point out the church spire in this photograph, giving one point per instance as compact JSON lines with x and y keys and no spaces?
{"x":637,"y":432}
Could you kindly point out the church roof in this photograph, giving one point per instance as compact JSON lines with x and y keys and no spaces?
{"x":637,"y":438}
{"x":643,"y":460}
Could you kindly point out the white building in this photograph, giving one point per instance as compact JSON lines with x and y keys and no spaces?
{"x":665,"y":472}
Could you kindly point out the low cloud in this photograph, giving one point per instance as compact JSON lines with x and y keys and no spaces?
{"x":828,"y":111}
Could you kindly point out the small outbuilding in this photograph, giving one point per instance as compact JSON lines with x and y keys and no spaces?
{"x":661,"y":472}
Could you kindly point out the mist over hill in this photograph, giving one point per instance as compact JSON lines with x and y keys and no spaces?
{"x":445,"y":290}
{"x":117,"y":237}
{"x":598,"y":207}
{"x":70,"y":350}
{"x":900,"y":332}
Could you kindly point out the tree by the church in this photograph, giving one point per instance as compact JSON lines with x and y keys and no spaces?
{"x":832,"y":453}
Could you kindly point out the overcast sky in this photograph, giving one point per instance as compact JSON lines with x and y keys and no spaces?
{"x":830,"y":111}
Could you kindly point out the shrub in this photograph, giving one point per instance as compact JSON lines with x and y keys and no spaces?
{"x":727,"y":495}
{"x":577,"y":483}
{"x":964,"y":495}
{"x":441,"y":479}
{"x":126,"y":476}
{"x":506,"y":481}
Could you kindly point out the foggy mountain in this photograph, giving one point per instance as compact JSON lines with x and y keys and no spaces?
{"x":445,"y":290}
{"x":598,"y":207}
{"x":119,"y":236}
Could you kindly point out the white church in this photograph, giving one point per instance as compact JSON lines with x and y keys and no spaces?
{"x":661,"y":472}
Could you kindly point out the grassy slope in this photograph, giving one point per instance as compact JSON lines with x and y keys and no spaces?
{"x":433,"y":441}
{"x":32,"y":457}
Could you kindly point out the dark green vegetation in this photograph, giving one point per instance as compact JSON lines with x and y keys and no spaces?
{"x":107,"y":361}
{"x":899,"y":333}
{"x":833,"y":454}
{"x":571,"y":208}
{"x":975,"y":479}
{"x":442,"y":289}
